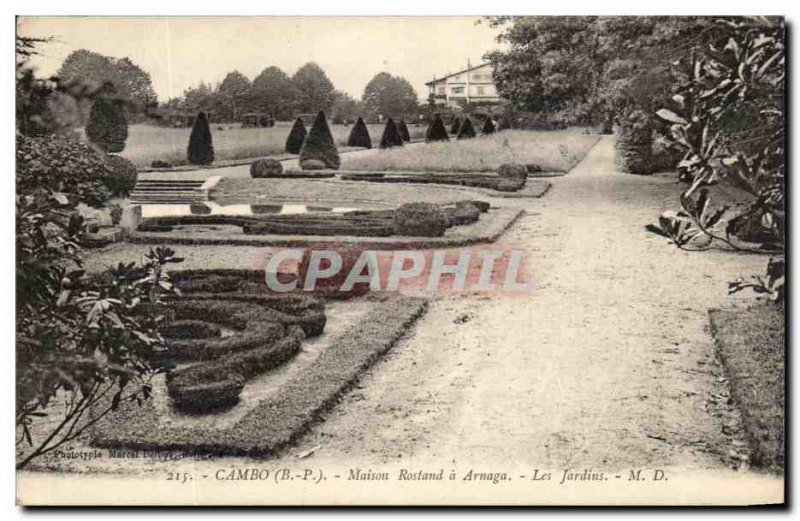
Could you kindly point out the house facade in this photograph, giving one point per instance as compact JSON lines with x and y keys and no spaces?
{"x":471,"y":85}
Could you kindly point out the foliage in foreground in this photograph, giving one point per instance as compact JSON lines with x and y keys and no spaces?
{"x":728,"y":117}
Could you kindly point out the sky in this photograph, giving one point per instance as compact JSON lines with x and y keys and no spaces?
{"x":179,"y":52}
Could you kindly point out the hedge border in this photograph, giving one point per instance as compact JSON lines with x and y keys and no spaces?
{"x":277,"y":421}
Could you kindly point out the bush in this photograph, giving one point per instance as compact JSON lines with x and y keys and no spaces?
{"x":464,"y":213}
{"x":186,"y":329}
{"x":488,"y":126}
{"x":513,"y":170}
{"x":201,"y":148}
{"x":482,"y":206}
{"x":402,"y":129}
{"x":455,"y":127}
{"x":319,"y":144}
{"x":533,"y":168}
{"x":122,"y":177}
{"x":635,"y":143}
{"x":160,"y":164}
{"x":436,"y":131}
{"x":466,"y":131}
{"x":511,"y":184}
{"x":359,"y":135}
{"x":391,"y":137}
{"x":312,"y":164}
{"x":294,"y":142}
{"x":420,"y":220}
{"x":262,"y":168}
{"x":58,"y":163}
{"x":107,"y":127}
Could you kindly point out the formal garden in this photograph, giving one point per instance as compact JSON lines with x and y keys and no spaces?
{"x":144,"y":320}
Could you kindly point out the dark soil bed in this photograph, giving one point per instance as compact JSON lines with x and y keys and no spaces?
{"x":750,"y":342}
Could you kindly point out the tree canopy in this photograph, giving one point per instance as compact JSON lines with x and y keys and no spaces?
{"x":390,"y":95}
{"x":315,"y":91}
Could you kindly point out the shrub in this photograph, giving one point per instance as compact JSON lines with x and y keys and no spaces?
{"x":359,"y":135}
{"x":635,"y":143}
{"x":115,"y":211}
{"x":482,"y":206}
{"x":319,"y":144}
{"x":533,"y":168}
{"x":420,"y":220}
{"x":312,"y":164}
{"x":58,"y":163}
{"x":107,"y":127}
{"x":466,"y":130}
{"x":160,"y":164}
{"x":391,"y":137}
{"x":294,"y":142}
{"x":402,"y":129}
{"x":261,"y":168}
{"x":488,"y":126}
{"x":186,"y":329}
{"x":201,"y":148}
{"x":436,"y":131}
{"x":513,"y":170}
{"x":455,"y":127}
{"x":510,"y":184}
{"x":122,"y":175}
{"x":464,"y":213}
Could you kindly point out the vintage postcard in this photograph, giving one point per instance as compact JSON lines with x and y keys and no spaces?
{"x":400,"y":260}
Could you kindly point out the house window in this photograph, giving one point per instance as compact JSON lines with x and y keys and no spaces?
{"x":481,"y":91}
{"x":457,"y":90}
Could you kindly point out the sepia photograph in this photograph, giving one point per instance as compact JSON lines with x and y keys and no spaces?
{"x":495,"y":260}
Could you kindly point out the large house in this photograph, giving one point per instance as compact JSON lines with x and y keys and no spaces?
{"x":472,"y":85}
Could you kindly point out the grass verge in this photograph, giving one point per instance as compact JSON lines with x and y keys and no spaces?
{"x":750,"y":343}
{"x":552,"y":151}
{"x":280,"y":419}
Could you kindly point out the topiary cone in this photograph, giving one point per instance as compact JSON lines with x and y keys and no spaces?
{"x":391,"y":137}
{"x":107,"y":127}
{"x":466,"y":131}
{"x":456,"y":127}
{"x":359,"y":135}
{"x":319,"y":144}
{"x":488,"y":126}
{"x":402,"y":128}
{"x":436,"y":131}
{"x":294,"y":142}
{"x":201,"y":148}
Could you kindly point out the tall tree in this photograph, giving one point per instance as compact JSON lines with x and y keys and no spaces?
{"x":234,"y":93}
{"x":315,"y":92}
{"x":274,"y":93}
{"x":390,"y":95}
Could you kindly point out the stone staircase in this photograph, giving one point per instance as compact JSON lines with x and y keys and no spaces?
{"x":169,"y":191}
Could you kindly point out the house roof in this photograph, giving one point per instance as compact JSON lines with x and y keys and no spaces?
{"x":435,"y":80}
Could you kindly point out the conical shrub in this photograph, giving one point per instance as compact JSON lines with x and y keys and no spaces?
{"x":107,"y":127}
{"x":504,"y":123}
{"x":359,"y":135}
{"x":402,"y":128}
{"x":466,"y":131}
{"x":391,"y":137}
{"x":455,"y":127}
{"x":294,"y":142}
{"x":488,"y":126}
{"x":436,"y":130}
{"x":319,"y":144}
{"x":201,"y":148}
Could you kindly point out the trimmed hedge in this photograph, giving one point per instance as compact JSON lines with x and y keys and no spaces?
{"x":491,"y":182}
{"x":420,"y":220}
{"x":201,"y":147}
{"x":466,"y":130}
{"x":319,"y":144}
{"x":635,"y":143}
{"x":402,"y":129}
{"x":312,"y":164}
{"x":488,"y":126}
{"x":183,"y":329}
{"x":513,"y":170}
{"x":294,"y":142}
{"x":359,"y":135}
{"x":283,"y":417}
{"x":464,"y":213}
{"x":123,"y":174}
{"x":391,"y":137}
{"x":107,"y":127}
{"x":436,"y":131}
{"x":263,"y":168}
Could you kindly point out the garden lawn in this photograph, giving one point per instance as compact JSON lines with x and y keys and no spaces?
{"x":750,"y":342}
{"x":553,"y":151}
{"x":147,"y":143}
